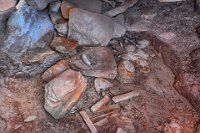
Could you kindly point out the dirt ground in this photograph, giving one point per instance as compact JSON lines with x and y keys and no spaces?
{"x":159,"y":107}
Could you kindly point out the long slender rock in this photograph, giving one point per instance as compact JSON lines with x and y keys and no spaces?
{"x":100,"y":103}
{"x":125,"y":96}
{"x":88,"y":121}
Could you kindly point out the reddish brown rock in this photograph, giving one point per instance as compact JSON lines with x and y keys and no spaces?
{"x":65,"y":7}
{"x":124,"y":74}
{"x":63,"y":92}
{"x":64,"y":45}
{"x":55,"y":70}
{"x":6,"y":7}
{"x":7,"y":4}
{"x":102,"y":63}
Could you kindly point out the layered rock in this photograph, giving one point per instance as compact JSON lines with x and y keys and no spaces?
{"x":63,"y":92}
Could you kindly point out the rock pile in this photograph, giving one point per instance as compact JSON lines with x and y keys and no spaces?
{"x":78,"y":35}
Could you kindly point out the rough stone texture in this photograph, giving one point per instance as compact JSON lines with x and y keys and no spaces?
{"x":175,"y":27}
{"x":62,"y":28}
{"x":38,"y":55}
{"x":139,"y":59}
{"x":63,"y":45}
{"x":63,"y":92}
{"x":39,"y":4}
{"x":89,"y":5}
{"x":55,"y":70}
{"x":124,"y":75}
{"x":103,"y":63}
{"x":101,"y":84}
{"x":92,"y":28}
{"x":56,"y":17}
{"x":55,"y":6}
{"x":7,"y":4}
{"x":6,"y":8}
{"x":65,"y":8}
{"x":25,"y":28}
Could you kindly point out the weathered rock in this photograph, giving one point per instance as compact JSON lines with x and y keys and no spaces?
{"x":125,"y":75}
{"x":39,"y":4}
{"x":6,"y":7}
{"x":119,"y":30}
{"x":30,"y":118}
{"x":45,"y":40}
{"x":55,"y":6}
{"x":143,"y":44}
{"x":55,"y":17}
{"x":120,"y":19}
{"x":101,"y":84}
{"x":139,"y":59}
{"x":39,"y":55}
{"x":25,"y":28}
{"x":63,"y":92}
{"x":65,"y":7}
{"x":129,"y":66}
{"x":89,"y":5}
{"x":55,"y":70}
{"x":64,"y":45}
{"x":62,"y":28}
{"x":103,"y":63}
{"x":92,"y":28}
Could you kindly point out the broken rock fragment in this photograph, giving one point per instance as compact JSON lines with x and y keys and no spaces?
{"x":38,"y":55}
{"x":101,"y":84}
{"x":88,"y":121}
{"x":125,"y":96}
{"x":25,"y":28}
{"x":55,"y":6}
{"x":126,"y":71}
{"x":6,"y":7}
{"x":62,"y":28}
{"x":92,"y":28}
{"x":103,"y":64}
{"x":63,"y":45}
{"x":63,"y":92}
{"x":55,"y":70}
{"x":105,"y":100}
{"x":65,"y":7}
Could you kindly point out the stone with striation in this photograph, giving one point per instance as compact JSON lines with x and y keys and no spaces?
{"x":63,"y":92}
{"x":103,"y":64}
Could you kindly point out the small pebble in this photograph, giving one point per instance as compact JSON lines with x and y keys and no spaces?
{"x":129,"y":66}
{"x":86,"y":59}
{"x":30,"y":118}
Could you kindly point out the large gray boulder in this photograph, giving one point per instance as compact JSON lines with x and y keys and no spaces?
{"x":92,"y":28}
